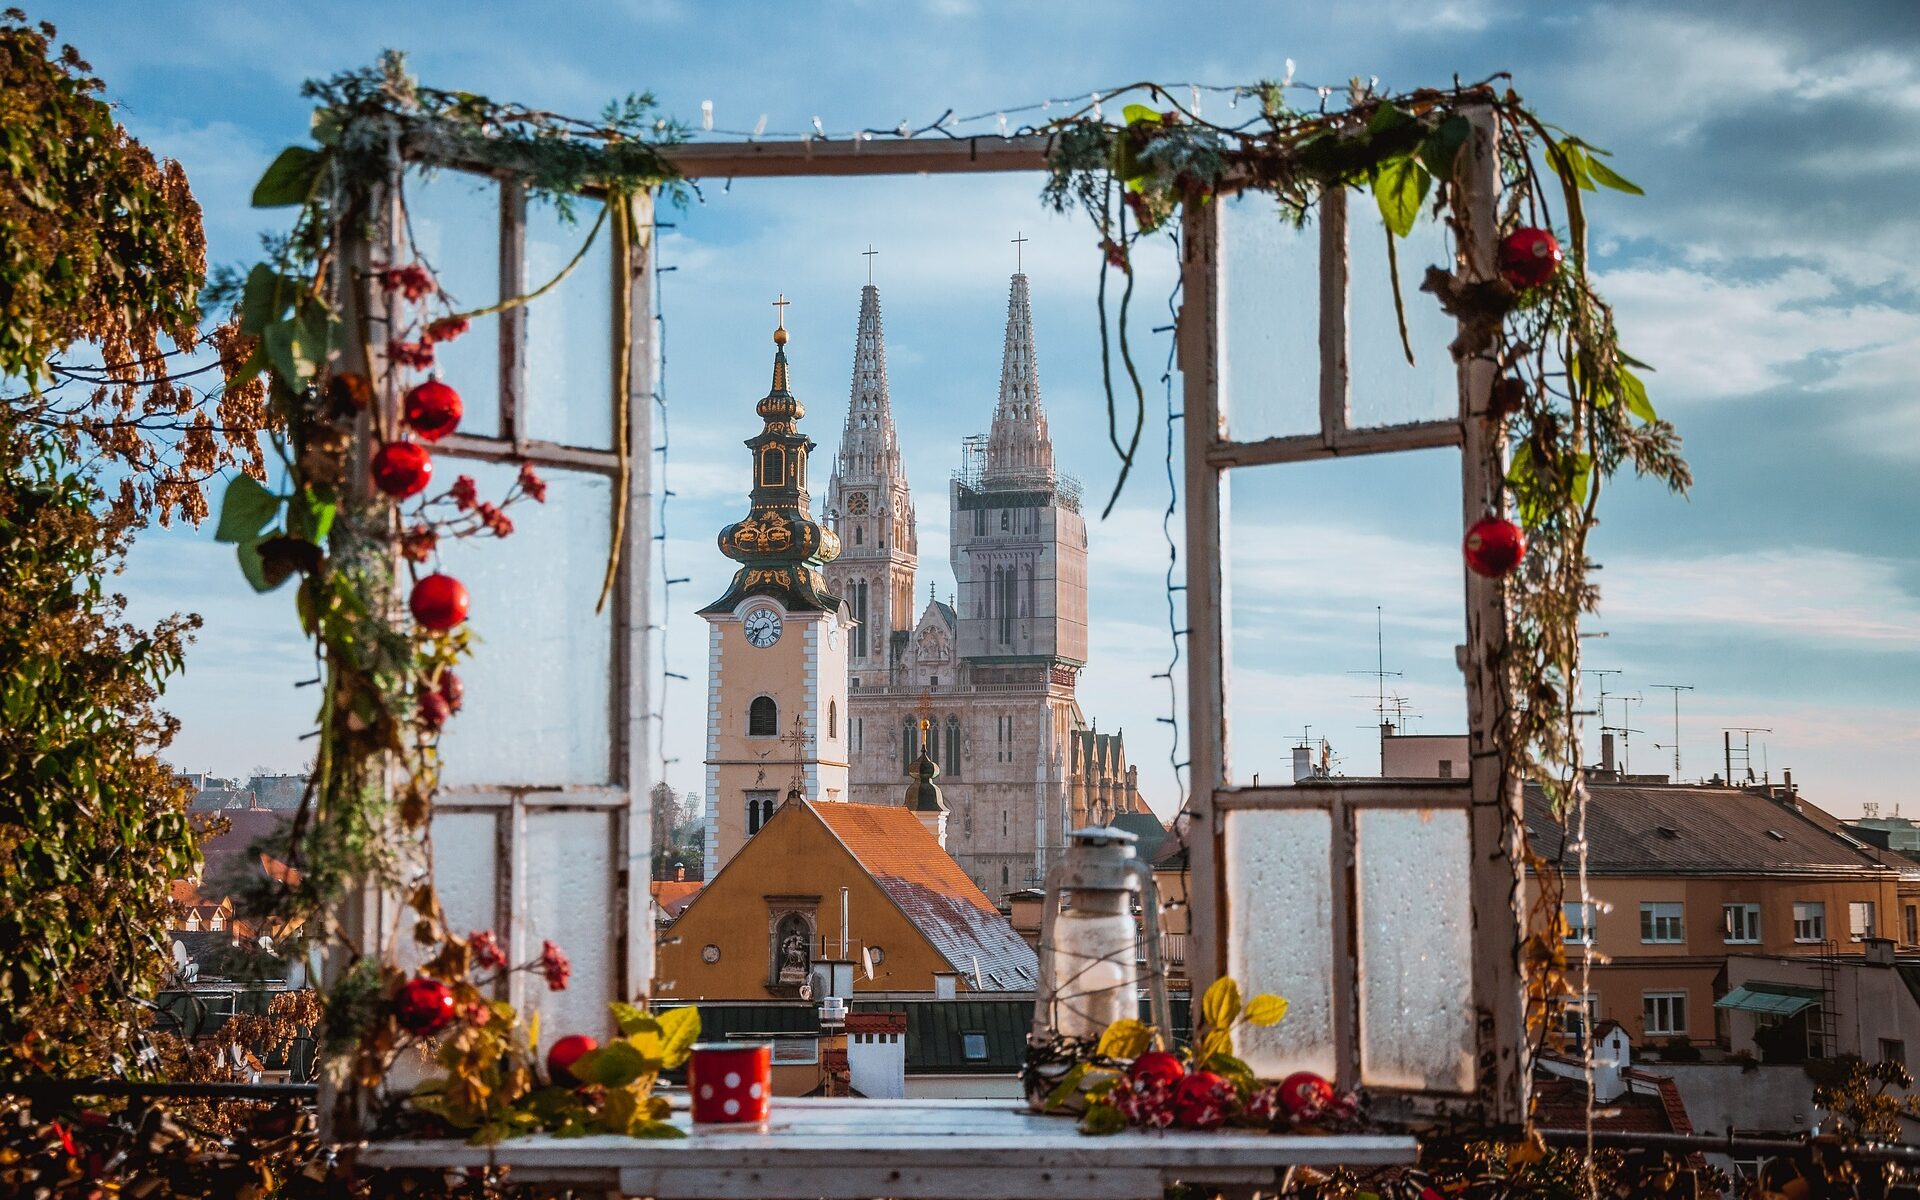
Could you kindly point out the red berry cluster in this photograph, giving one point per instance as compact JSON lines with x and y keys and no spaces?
{"x":1159,"y":1092}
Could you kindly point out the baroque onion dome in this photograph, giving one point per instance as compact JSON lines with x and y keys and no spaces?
{"x":779,"y":545}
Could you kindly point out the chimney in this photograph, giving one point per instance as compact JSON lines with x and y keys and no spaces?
{"x":1302,"y":763}
{"x":679,"y":872}
{"x":1879,"y":951}
{"x":1606,"y":755}
{"x":945,"y":985}
{"x":1787,"y":775}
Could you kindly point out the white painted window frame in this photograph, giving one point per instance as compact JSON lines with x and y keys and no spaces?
{"x":1661,"y":911}
{"x":1809,"y":913}
{"x":1743,"y":917}
{"x":1652,"y":1000}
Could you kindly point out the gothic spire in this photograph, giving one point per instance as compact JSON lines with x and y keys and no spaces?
{"x":869,"y":448}
{"x":1019,"y":444}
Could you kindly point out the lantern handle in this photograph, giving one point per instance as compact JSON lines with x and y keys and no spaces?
{"x":1043,"y":991}
{"x":1158,"y":1009}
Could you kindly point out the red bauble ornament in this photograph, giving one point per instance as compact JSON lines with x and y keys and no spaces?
{"x":452,"y":690}
{"x":565,"y":1053}
{"x":424,"y":1006}
{"x":1157,"y":1067}
{"x":401,"y":469}
{"x":1201,"y":1100}
{"x":1529,"y":257}
{"x":439,"y":602}
{"x":433,"y":710}
{"x":1304,"y":1093}
{"x":433,"y":409}
{"x":1494,"y":546}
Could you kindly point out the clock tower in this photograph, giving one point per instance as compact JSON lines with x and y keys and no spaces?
{"x":777,"y":643}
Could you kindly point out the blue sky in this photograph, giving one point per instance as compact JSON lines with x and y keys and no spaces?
{"x":1767,"y":275}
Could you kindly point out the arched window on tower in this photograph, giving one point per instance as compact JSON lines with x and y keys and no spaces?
{"x":860,"y":617}
{"x":773,"y":467}
{"x":933,"y":740}
{"x":953,"y":747}
{"x":763,"y":717}
{"x":858,"y":530}
{"x":833,"y":718}
{"x":907,"y":745}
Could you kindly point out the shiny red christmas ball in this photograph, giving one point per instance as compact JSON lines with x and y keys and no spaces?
{"x":433,"y":410}
{"x":401,"y":469}
{"x":1157,"y":1066}
{"x":1303,"y":1092}
{"x":1201,"y":1100}
{"x":423,"y":1006}
{"x":565,"y":1053}
{"x":1494,"y":546}
{"x":439,"y":602}
{"x":1529,"y":257}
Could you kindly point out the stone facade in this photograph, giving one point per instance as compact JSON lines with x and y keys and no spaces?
{"x":993,"y":674}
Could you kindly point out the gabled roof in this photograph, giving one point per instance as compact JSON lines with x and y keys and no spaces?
{"x":950,"y":911}
{"x":1666,"y":829}
{"x":672,"y":895}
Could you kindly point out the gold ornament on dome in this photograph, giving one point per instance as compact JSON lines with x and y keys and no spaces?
{"x":767,"y":533}
{"x":775,"y":575}
{"x":829,"y":546}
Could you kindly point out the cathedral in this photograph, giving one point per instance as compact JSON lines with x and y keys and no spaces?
{"x":984,"y":685}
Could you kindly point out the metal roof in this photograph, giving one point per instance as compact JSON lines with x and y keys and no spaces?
{"x":1680,"y":830}
{"x":1770,"y":999}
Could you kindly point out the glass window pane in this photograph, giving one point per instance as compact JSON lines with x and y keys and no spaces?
{"x":1270,"y":363}
{"x":455,"y":220}
{"x":1416,"y":947}
{"x":466,"y":866}
{"x":1280,"y":909}
{"x":539,"y":685}
{"x":1382,"y":388}
{"x":571,"y":900}
{"x":569,"y":330}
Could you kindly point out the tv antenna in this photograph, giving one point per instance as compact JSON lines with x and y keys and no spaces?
{"x":1676,"y":689}
{"x":1746,"y":750}
{"x":1380,"y":674}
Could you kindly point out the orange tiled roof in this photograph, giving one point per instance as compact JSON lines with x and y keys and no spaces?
{"x":892,"y":841}
{"x":672,"y":895}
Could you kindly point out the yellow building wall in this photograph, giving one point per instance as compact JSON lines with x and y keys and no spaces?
{"x":1692,"y":965}
{"x":793,"y":855}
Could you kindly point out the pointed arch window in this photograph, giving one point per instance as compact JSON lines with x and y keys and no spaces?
{"x":860,"y":618}
{"x":773,"y":467}
{"x":953,"y":747}
{"x":763,"y":717}
{"x":907,"y":745}
{"x":833,"y":718}
{"x":933,"y":740}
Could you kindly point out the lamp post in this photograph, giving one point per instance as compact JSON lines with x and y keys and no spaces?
{"x":1091,"y":951}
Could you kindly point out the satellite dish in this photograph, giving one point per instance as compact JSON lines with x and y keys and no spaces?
{"x":179,"y":954}
{"x":806,"y":990}
{"x":866,"y":961}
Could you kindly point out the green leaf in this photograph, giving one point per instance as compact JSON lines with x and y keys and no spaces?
{"x":1221,"y":1005}
{"x":1442,"y":146}
{"x":1266,"y":1009}
{"x":290,"y":179}
{"x":1635,"y":394}
{"x":290,"y":352}
{"x":1102,"y":1119}
{"x":1570,"y":164}
{"x":1140,"y":114}
{"x":1068,"y":1085}
{"x":615,"y":1065}
{"x":1399,"y":186}
{"x":1237,"y":1072}
{"x":1582,"y":478}
{"x":1605,"y":176}
{"x":263,"y":577}
{"x":1125,"y":1038}
{"x":679,"y":1030}
{"x":310,"y":517}
{"x":631,"y":1018}
{"x":245,"y":509}
{"x":260,"y":300}
{"x":656,"y":1129}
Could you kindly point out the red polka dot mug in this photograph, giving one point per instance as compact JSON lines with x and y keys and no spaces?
{"x":731,"y":1082}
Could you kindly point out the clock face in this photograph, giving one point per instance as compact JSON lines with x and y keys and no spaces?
{"x":763,"y":627}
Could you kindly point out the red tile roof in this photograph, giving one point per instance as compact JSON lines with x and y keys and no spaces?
{"x":876,"y":1022}
{"x":672,"y":895}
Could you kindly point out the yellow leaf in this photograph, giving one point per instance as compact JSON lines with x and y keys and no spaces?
{"x":1266,"y":1009}
{"x":1525,"y":1153}
{"x":1125,"y":1038}
{"x":533,"y":1033}
{"x":679,"y":1030}
{"x":1221,"y":1005}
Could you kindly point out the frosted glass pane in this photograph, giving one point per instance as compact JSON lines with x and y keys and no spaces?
{"x":1382,"y":389}
{"x":569,"y":864}
{"x":539,"y":684}
{"x":1270,"y":365}
{"x":466,"y":866}
{"x":1279,"y":934}
{"x":455,"y":220}
{"x":1416,"y":930}
{"x":569,"y":330}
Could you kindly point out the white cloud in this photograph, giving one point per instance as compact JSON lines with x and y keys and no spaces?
{"x":1806,"y":594}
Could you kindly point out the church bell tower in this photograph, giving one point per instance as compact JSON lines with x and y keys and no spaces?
{"x":777,"y":646}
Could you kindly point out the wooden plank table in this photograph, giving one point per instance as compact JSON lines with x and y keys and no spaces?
{"x":902,"y":1149}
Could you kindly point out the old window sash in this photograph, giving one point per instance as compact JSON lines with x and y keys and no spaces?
{"x":539,"y":841}
{"x":1448,"y":1040}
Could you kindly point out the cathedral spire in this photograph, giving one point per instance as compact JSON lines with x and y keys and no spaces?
{"x":1019,"y":444}
{"x":869,"y":448}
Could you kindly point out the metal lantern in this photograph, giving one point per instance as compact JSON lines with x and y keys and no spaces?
{"x":1091,"y":950}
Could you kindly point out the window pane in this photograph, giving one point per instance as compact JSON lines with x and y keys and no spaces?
{"x":1270,"y":365}
{"x":1416,"y":947}
{"x":539,"y":684}
{"x":1280,"y":907}
{"x":571,"y":900}
{"x":455,"y":219}
{"x":569,"y":331}
{"x":466,"y":869}
{"x":1383,"y":389}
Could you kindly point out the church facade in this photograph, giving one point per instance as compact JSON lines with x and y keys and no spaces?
{"x":985,"y":685}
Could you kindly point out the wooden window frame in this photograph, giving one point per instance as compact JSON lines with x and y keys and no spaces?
{"x":1490,"y":794}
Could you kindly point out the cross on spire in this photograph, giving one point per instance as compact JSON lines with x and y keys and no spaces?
{"x":1019,"y":249}
{"x":868,"y":254}
{"x":780,"y":306}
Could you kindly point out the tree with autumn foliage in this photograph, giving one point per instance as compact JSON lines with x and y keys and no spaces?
{"x":103,"y":428}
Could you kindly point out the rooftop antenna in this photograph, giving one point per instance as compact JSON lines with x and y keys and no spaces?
{"x":1746,"y":749}
{"x":1380,"y":674}
{"x":1676,"y":689}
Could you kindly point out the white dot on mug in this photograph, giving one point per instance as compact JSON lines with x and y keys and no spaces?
{"x":754,"y":1091}
{"x":732,"y":1108}
{"x":706,"y":1091}
{"x":733,"y":1080}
